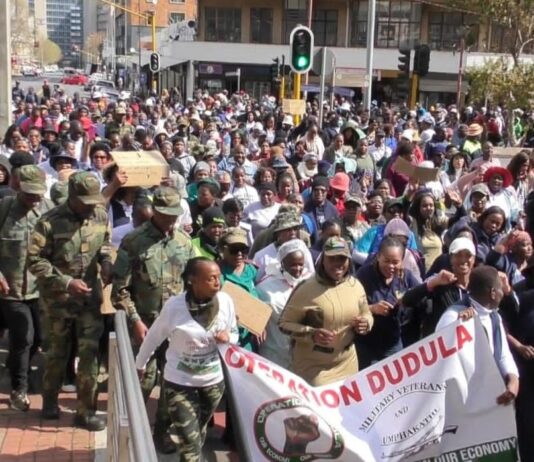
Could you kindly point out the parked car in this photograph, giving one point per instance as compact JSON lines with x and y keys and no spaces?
{"x":74,"y":79}
{"x":31,"y":71}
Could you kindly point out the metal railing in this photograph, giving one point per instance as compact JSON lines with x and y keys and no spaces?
{"x":129,"y":438}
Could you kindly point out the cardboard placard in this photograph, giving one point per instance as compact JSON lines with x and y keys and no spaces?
{"x":107,"y":307}
{"x":251,"y":312}
{"x":422,"y":174}
{"x":144,"y":168}
{"x":294,"y":106}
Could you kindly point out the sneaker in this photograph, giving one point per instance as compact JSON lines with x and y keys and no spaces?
{"x":19,"y":400}
{"x":68,"y":388}
{"x":90,"y":422}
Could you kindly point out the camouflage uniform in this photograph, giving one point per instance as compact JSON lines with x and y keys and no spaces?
{"x":191,"y":409}
{"x":147,"y":272}
{"x":21,"y":303}
{"x":66,"y":247}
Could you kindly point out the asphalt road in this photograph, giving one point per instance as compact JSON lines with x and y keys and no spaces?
{"x":37,"y":83}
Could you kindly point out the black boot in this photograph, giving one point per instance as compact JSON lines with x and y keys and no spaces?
{"x":90,"y":422}
{"x":50,"y":409}
{"x":164,"y":443}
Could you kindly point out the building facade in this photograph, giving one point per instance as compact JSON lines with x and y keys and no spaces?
{"x":248,"y":35}
{"x":131,"y":29}
{"x":64,"y":20}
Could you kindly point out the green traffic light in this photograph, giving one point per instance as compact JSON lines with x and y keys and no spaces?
{"x":302,"y":62}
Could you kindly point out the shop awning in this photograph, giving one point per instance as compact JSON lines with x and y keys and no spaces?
{"x":441,"y":86}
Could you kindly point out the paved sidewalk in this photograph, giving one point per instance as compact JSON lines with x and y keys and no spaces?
{"x":24,"y":437}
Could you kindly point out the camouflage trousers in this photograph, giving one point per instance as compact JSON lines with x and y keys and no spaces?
{"x":191,"y":409}
{"x":89,"y":327}
{"x":150,"y":379}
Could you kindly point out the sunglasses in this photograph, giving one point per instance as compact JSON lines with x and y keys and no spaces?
{"x":234,"y":250}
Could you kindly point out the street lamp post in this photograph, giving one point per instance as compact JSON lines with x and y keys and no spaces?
{"x":151,"y":20}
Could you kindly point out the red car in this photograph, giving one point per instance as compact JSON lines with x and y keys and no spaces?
{"x":75,"y":79}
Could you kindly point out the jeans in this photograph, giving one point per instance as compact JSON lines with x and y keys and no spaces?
{"x":22,"y":318}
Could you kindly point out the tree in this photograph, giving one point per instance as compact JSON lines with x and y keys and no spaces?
{"x":516,"y":17}
{"x":93,"y":46}
{"x":502,"y":83}
{"x":51,"y":52}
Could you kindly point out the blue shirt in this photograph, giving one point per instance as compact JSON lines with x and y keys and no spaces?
{"x":386,"y":330}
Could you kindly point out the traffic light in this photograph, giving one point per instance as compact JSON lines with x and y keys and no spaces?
{"x":404,"y":61}
{"x":421,"y":60}
{"x":154,"y":62}
{"x":275,"y":69}
{"x":301,"y":49}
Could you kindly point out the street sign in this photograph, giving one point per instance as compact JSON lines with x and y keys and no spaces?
{"x":294,"y":106}
{"x":329,"y":62}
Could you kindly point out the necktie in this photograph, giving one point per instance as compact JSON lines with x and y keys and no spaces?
{"x":497,"y":336}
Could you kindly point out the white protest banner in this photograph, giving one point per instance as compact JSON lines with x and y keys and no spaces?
{"x":434,"y":402}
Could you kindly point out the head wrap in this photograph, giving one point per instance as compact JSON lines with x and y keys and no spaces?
{"x":289,"y":247}
{"x":397,"y":227}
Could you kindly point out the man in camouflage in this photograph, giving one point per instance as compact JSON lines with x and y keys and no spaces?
{"x":66,"y":247}
{"x":18,"y":289}
{"x":147,"y":272}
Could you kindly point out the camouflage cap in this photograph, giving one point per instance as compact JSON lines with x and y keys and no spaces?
{"x":335,"y":246}
{"x":286,"y":220}
{"x":166,"y":200}
{"x":32,"y":180}
{"x":234,"y":236}
{"x":86,"y":187}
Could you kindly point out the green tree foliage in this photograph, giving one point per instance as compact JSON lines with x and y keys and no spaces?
{"x":500,"y":82}
{"x":516,"y":17}
{"x":51,"y":52}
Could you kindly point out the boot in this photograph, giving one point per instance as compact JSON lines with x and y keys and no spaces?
{"x":90,"y":422}
{"x":50,"y":409}
{"x":164,"y":443}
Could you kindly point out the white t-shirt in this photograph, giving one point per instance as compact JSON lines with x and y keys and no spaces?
{"x":246,"y":194}
{"x":192,"y":358}
{"x":260,"y":217}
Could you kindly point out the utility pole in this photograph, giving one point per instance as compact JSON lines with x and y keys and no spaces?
{"x":151,"y":20}
{"x":370,"y":51}
{"x":5,"y":65}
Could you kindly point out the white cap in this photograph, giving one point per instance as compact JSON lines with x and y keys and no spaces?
{"x":462,"y":243}
{"x":407,"y":134}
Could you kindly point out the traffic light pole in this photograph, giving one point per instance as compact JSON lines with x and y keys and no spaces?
{"x":151,"y":19}
{"x":296,"y":94}
{"x":414,"y":90}
{"x":370,"y":50}
{"x":283,"y":80}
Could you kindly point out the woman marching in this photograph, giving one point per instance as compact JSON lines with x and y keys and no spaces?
{"x":193,"y":322}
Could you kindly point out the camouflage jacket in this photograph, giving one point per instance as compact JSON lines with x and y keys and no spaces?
{"x":65,"y":246}
{"x":148,"y":270}
{"x":16,"y":225}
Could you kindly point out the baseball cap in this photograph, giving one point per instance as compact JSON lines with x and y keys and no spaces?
{"x":86,"y":187}
{"x":234,"y":236}
{"x":355,"y":199}
{"x":120,"y":110}
{"x":212,"y":215}
{"x":32,"y":180}
{"x":480,"y":188}
{"x":335,"y":246}
{"x":166,"y":200}
{"x":286,"y":220}
{"x":462,"y":243}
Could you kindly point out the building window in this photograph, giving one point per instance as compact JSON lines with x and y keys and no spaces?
{"x":176,"y":1}
{"x":398,"y":23}
{"x":223,"y":24}
{"x":261,"y":25}
{"x":324,"y":26}
{"x":295,"y":13}
{"x":446,"y":29}
{"x":176,"y":17}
